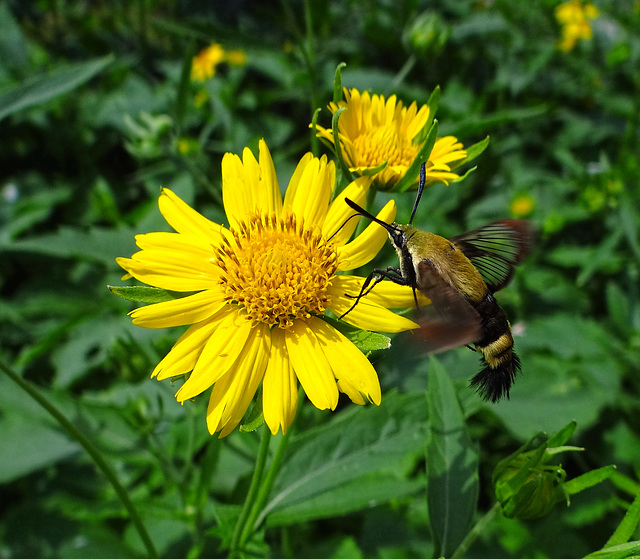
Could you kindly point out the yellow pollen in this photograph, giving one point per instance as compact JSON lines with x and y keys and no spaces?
{"x":384,"y":143}
{"x":276,"y":269}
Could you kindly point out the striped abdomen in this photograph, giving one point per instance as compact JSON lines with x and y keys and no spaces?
{"x":496,"y":347}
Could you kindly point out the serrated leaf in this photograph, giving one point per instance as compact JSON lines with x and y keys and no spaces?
{"x":142,"y":294}
{"x":356,"y":495}
{"x":452,"y":465}
{"x":96,"y":244}
{"x":45,"y":87}
{"x":354,"y":448}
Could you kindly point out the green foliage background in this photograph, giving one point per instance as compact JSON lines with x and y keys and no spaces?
{"x":91,"y":114}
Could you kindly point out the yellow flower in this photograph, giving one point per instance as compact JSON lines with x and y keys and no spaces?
{"x":236,"y":57}
{"x":522,"y":205}
{"x":373,"y":130}
{"x":205,"y":62}
{"x":574,"y":16}
{"x":257,"y":292}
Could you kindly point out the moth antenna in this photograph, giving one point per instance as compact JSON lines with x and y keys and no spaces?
{"x":365,"y":213}
{"x":423,"y":180}
{"x":339,"y":228}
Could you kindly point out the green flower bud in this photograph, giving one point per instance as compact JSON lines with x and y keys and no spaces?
{"x":525,"y":485}
{"x":427,"y":34}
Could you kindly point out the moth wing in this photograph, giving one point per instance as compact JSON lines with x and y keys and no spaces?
{"x":450,"y":321}
{"x":496,"y":248}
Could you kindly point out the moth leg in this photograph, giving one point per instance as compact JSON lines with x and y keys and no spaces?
{"x":374,"y":278}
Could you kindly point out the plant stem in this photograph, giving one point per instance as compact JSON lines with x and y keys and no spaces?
{"x":258,"y":513}
{"x":91,"y":449}
{"x":476,"y":531}
{"x":241,"y":525}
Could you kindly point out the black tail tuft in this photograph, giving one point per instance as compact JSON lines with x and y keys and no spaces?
{"x":494,"y":384}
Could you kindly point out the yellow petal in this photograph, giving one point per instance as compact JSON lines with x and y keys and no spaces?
{"x":185,"y":310}
{"x":311,"y":366}
{"x":386,"y":293}
{"x":185,"y":352}
{"x":366,"y":245}
{"x":197,"y":245}
{"x":310,"y":189}
{"x":268,"y":194}
{"x":232,"y":394}
{"x":366,"y":315}
{"x":171,"y":269}
{"x":183,"y":218}
{"x":279,"y":386}
{"x":218,"y":356}
{"x":237,"y":187}
{"x":351,"y":368}
{"x":249,"y":185}
{"x":338,"y":226}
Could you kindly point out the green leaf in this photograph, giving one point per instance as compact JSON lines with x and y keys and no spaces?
{"x":356,"y":495}
{"x":628,"y":526}
{"x":589,"y":479}
{"x":255,"y":417}
{"x":472,"y":152}
{"x":348,"y":175}
{"x":622,"y":551}
{"x":341,"y":461}
{"x":337,"y":83}
{"x":36,"y":445}
{"x":142,"y":294}
{"x":452,"y":465}
{"x":184,"y":88}
{"x":422,"y":157}
{"x":364,"y":340}
{"x":45,"y":87}
{"x":562,"y":436}
{"x":433,"y":102}
{"x":97,"y":244}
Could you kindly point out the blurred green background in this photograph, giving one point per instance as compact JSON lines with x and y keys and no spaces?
{"x":94,"y":120}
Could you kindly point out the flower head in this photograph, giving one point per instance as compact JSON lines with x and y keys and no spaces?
{"x":258,"y":289}
{"x":574,"y":16}
{"x":373,"y":130}
{"x":204,"y":63}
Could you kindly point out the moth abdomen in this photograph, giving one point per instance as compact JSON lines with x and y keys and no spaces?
{"x":494,"y":382}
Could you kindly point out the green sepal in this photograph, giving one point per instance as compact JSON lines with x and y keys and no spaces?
{"x":629,"y":549}
{"x":370,"y":171}
{"x":364,"y":340}
{"x":314,"y":132}
{"x":346,"y":173}
{"x":337,"y":83}
{"x":472,"y":152}
{"x":255,"y":417}
{"x":422,"y":157}
{"x":433,"y":103}
{"x":562,"y":436}
{"x":144,"y":294}
{"x":589,"y":479}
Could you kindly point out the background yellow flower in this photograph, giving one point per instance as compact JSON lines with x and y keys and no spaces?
{"x":373,"y":130}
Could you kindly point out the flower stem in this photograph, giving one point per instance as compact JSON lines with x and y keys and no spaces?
{"x":241,"y":525}
{"x":476,"y":531}
{"x":257,"y":513}
{"x":91,"y":449}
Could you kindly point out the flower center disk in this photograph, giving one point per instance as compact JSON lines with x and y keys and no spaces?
{"x":278,"y":270}
{"x":385,"y":143}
